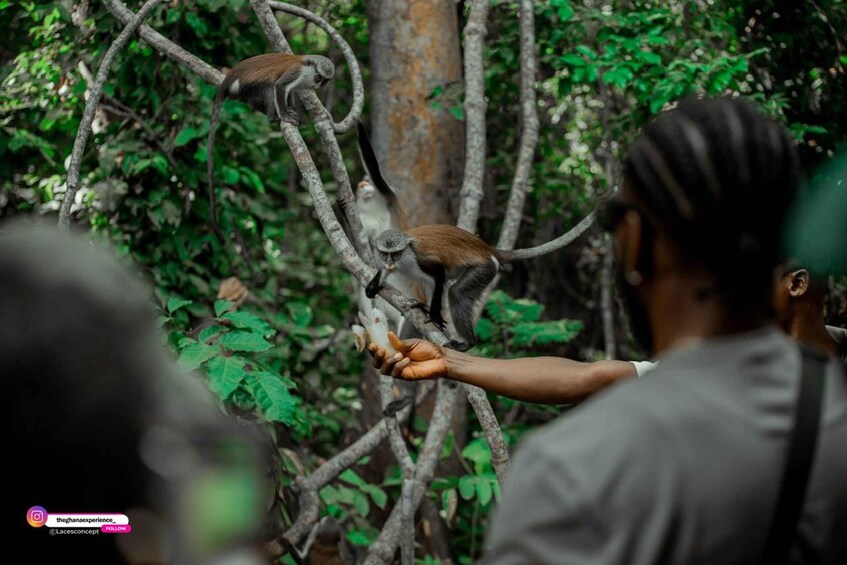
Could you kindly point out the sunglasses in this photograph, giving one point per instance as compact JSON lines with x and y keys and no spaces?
{"x":610,"y":212}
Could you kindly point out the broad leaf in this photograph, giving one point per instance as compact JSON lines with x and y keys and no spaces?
{"x":225,"y":374}
{"x":194,"y":355}
{"x":244,"y":341}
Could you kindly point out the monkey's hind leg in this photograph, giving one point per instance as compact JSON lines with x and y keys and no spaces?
{"x":463,"y":296}
{"x":282,"y":98}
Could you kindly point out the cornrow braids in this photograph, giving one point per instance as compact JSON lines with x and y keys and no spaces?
{"x":719,"y":177}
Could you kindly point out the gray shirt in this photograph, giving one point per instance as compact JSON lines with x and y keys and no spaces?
{"x":680,"y":467}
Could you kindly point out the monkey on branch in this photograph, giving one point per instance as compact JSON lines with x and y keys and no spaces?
{"x":267,"y":83}
{"x":445,"y":256}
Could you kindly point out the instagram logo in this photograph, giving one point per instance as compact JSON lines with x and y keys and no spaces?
{"x":36,"y":516}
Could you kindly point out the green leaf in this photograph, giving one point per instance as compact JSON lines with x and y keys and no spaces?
{"x":466,"y":487}
{"x":209,"y":332}
{"x":276,"y":402}
{"x":484,"y":329}
{"x":541,"y":333}
{"x":483,"y":491}
{"x":248,"y":321}
{"x":222,"y":306}
{"x":230,"y":175}
{"x":185,"y":136}
{"x":252,"y":179}
{"x":351,"y":477}
{"x":301,"y":314}
{"x":458,"y":112}
{"x":573,"y":60}
{"x":362,"y":538}
{"x":175,"y":304}
{"x":377,"y":495}
{"x":361,"y":504}
{"x":225,"y":374}
{"x":650,"y":57}
{"x":244,"y":341}
{"x":194,"y":355}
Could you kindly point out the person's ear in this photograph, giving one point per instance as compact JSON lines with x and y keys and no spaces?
{"x":798,"y":283}
{"x":629,"y":242}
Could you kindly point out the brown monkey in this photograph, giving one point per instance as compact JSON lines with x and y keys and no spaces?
{"x":437,"y":254}
{"x":266,"y":83}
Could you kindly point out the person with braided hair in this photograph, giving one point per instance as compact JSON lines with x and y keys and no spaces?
{"x":731,"y":451}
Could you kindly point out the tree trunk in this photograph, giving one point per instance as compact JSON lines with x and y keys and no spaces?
{"x":414,"y":48}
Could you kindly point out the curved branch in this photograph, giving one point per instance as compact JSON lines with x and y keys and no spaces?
{"x":95,"y":93}
{"x":529,"y":134}
{"x":475,"y":105}
{"x":270,"y":26}
{"x":165,"y":46}
{"x":352,"y":63}
{"x":555,"y":244}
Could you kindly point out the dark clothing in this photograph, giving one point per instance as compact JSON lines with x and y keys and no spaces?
{"x":681,"y":467}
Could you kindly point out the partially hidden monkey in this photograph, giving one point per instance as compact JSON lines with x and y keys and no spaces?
{"x":442,"y":256}
{"x":266,"y":83}
{"x":380,"y":210}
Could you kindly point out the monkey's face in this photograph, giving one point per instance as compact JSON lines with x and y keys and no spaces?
{"x":324,"y":69}
{"x":393,"y":248}
{"x":365,"y":190}
{"x":389,"y":260}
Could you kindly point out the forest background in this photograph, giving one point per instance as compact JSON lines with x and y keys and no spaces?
{"x":284,"y":356}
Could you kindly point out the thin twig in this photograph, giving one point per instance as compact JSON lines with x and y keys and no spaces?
{"x":529,"y":132}
{"x":95,"y":92}
{"x":474,"y":105}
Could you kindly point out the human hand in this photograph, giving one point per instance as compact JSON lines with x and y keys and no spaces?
{"x":416,"y":359}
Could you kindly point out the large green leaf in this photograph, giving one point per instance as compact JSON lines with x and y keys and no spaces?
{"x":244,"y":341}
{"x":248,"y":321}
{"x":194,"y":355}
{"x":225,"y":374}
{"x":274,"y":399}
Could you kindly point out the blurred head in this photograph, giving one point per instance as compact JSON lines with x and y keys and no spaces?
{"x":706,"y":189}
{"x":101,"y":420}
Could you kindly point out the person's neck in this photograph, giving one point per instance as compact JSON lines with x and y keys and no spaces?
{"x":679,"y":318}
{"x":807,"y":326}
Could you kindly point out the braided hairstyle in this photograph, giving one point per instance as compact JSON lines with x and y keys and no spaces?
{"x":718,"y":177}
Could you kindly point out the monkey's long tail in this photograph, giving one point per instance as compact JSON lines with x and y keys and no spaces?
{"x":210,"y":165}
{"x":550,"y":246}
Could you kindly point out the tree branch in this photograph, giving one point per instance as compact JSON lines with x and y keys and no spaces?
{"x":95,"y":93}
{"x":529,"y":133}
{"x":168,"y":48}
{"x":382,"y":550}
{"x":475,"y":105}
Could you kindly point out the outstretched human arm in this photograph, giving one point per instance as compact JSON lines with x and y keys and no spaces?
{"x":544,"y":380}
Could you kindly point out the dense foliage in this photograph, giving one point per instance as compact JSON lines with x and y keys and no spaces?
{"x":283,"y":356}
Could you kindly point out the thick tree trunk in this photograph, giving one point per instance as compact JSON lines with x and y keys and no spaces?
{"x":414,"y":47}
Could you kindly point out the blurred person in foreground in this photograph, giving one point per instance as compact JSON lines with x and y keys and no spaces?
{"x":101,"y":421}
{"x":687,"y":466}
